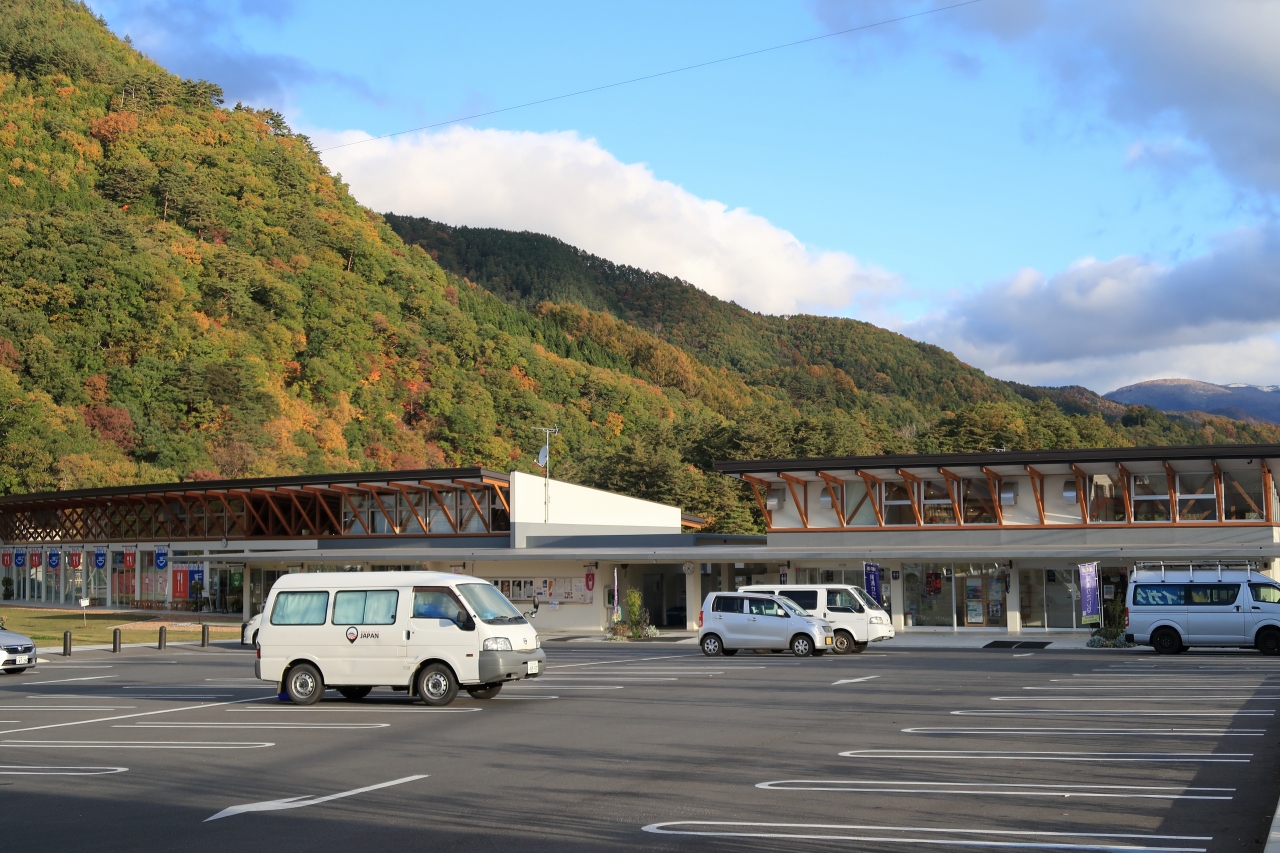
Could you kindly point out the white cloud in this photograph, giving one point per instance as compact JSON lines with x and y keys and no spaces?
{"x":1108,"y":323}
{"x":571,"y":188}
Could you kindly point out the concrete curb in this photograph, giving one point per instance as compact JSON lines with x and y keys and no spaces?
{"x":1273,"y":837}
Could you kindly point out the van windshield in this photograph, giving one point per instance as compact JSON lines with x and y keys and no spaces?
{"x":490,"y":606}
{"x":866,"y":598}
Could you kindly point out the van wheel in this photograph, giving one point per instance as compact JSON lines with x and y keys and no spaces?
{"x":802,"y":645}
{"x":1269,"y":642}
{"x":436,"y":685}
{"x":354,"y":694}
{"x":729,"y":652}
{"x":859,"y":648}
{"x":1166,"y":641}
{"x":486,"y":692}
{"x":711,"y":645}
{"x":843,"y":643}
{"x":304,"y":684}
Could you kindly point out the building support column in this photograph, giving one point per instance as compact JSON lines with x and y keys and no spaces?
{"x":897,"y":596}
{"x":692,"y":598}
{"x":726,"y":577}
{"x":1013,"y":601}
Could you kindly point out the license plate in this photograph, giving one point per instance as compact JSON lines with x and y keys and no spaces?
{"x":828,"y":641}
{"x":22,"y":659}
{"x":533,"y":667}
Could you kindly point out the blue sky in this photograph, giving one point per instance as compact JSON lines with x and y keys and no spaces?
{"x":954,"y":176}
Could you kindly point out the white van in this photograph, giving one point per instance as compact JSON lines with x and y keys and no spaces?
{"x":426,"y":632}
{"x":1174,"y":609}
{"x":854,"y":615}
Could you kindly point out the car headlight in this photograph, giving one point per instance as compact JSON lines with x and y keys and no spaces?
{"x":497,"y":644}
{"x":879,"y":620}
{"x":826,"y":629}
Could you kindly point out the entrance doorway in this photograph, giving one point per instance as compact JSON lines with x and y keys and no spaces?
{"x":654,"y":600}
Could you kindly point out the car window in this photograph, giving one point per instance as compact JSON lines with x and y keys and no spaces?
{"x":365,"y":607}
{"x":435,"y":603}
{"x":300,"y":608}
{"x":726,"y":604}
{"x":843,"y":601}
{"x":1209,"y":594}
{"x":806,"y":598}
{"x":764,"y":607}
{"x":1159,"y":595}
{"x":1265,"y":592}
{"x":792,"y":607}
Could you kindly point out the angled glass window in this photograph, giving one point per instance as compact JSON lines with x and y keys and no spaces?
{"x":977,"y":504}
{"x":936,"y":507}
{"x":1151,"y":497}
{"x":897,"y":503}
{"x":1197,"y":498}
{"x":1242,"y":494}
{"x":1106,"y":499}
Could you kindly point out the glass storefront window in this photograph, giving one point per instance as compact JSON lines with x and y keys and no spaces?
{"x":1061,"y":597}
{"x":1106,"y":499}
{"x":1031,"y":597}
{"x":897,"y":504}
{"x":1150,"y":497}
{"x":980,"y":596}
{"x":936,"y":507}
{"x":857,"y":505}
{"x":1197,"y":498}
{"x":1242,"y":495}
{"x":927,"y":595}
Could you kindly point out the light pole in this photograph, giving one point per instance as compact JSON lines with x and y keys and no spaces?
{"x":544,"y":461}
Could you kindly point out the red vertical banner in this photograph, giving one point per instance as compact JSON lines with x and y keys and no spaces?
{"x":130,"y":558}
{"x":180,"y":583}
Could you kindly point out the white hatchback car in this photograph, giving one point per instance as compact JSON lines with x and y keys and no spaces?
{"x":730,"y":621}
{"x":17,"y":652}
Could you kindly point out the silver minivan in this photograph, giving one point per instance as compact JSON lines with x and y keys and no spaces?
{"x":730,"y":621}
{"x":856,"y":619}
{"x":1172,"y":610}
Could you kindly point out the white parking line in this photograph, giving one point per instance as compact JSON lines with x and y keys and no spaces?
{"x":999,"y":789}
{"x":258,"y":686}
{"x":24,"y":770}
{"x":131,"y":744}
{"x":628,"y":660}
{"x":853,"y":680}
{"x":280,"y":725}
{"x":1016,"y":755}
{"x":65,"y":680}
{"x":981,"y":838}
{"x":1136,"y":699}
{"x":1056,"y":712}
{"x":1145,"y":686}
{"x":563,"y":687}
{"x":68,"y":707}
{"x":585,"y":678}
{"x":1168,"y":732}
{"x":364,"y":710}
{"x":301,"y":802}
{"x":126,"y":716}
{"x":62,"y":666}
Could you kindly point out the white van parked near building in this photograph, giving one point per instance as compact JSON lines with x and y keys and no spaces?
{"x":427,"y":632}
{"x":1174,"y":609}
{"x":854,"y":615}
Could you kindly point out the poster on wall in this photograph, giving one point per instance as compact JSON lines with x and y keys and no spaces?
{"x":1090,"y":605}
{"x":180,"y":583}
{"x":973,"y":613}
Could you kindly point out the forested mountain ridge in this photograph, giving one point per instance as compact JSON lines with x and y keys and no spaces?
{"x":187,"y":292}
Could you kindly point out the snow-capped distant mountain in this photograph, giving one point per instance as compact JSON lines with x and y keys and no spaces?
{"x":1243,"y":402}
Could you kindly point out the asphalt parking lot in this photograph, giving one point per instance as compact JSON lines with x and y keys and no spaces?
{"x":652,"y":746}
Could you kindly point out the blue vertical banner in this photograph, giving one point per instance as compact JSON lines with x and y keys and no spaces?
{"x":1090,"y":601}
{"x":20,"y":558}
{"x":871,"y":575}
{"x":162,"y":557}
{"x":99,"y":558}
{"x":195,"y":576}
{"x":54,"y":559}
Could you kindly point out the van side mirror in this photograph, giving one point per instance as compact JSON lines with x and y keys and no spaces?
{"x":464,"y":621}
{"x":534,"y":612}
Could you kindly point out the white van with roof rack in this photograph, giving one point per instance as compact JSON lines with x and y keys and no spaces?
{"x":425,"y":632}
{"x":855,"y":617}
{"x":1229,"y":605}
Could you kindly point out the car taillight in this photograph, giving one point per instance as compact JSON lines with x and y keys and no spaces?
{"x":257,"y":652}
{"x":1126,"y":617}
{"x":699,"y":618}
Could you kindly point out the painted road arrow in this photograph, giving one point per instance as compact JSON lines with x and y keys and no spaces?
{"x":299,"y":802}
{"x":854,"y":680}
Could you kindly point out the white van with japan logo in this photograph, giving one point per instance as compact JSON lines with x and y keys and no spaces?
{"x":430,"y":633}
{"x":1173,"y":609}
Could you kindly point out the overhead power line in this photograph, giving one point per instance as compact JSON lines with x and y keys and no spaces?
{"x":656,"y":75}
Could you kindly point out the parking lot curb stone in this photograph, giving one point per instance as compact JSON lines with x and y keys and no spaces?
{"x":1273,"y":837}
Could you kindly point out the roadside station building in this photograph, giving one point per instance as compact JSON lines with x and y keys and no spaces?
{"x":967,"y":541}
{"x":222,"y":544}
{"x":993,"y":540}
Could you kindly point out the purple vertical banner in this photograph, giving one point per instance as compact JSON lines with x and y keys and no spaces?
{"x":871,"y":574}
{"x":1090,"y":602}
